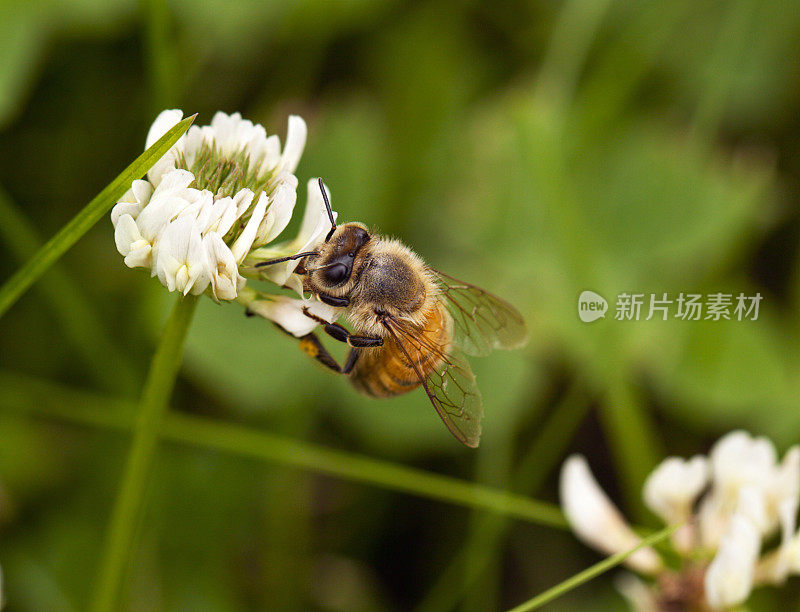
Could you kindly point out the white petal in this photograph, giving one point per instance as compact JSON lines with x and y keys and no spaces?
{"x":140,"y":255}
{"x":793,"y":554}
{"x":125,"y":234}
{"x":175,"y":181}
{"x":142,"y":191}
{"x":640,"y":596}
{"x":313,"y":230}
{"x":194,"y":140}
{"x":596,"y":520}
{"x":673,"y":486}
{"x":272,"y":154}
{"x":242,"y":199}
{"x":241,"y":247}
{"x":288,"y":313}
{"x":134,"y":200}
{"x":181,"y":261}
{"x":729,"y":578}
{"x":753,"y":506}
{"x":169,"y":199}
{"x":278,"y":214}
{"x":295,"y":143}
{"x":739,"y":458}
{"x":225,"y":277}
{"x":165,"y":120}
{"x":161,"y":126}
{"x":233,"y":134}
{"x":316,"y":213}
{"x":197,"y":265}
{"x":712,"y":518}
{"x":173,"y":245}
{"x":295,"y":283}
{"x":784,"y":490}
{"x":785,"y":557}
{"x":223,"y":126}
{"x":223,"y":216}
{"x":128,"y":209}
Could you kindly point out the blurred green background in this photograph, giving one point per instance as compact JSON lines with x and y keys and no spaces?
{"x":534,"y":148}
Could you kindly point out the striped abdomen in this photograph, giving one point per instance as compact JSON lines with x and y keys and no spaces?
{"x":386,"y":370}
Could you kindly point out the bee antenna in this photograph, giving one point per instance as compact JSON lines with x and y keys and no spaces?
{"x":270,"y":262}
{"x":328,"y":208}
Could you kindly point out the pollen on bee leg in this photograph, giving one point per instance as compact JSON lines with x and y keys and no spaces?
{"x":309,"y":347}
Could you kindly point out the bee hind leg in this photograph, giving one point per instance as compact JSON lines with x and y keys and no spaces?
{"x":312,"y":347}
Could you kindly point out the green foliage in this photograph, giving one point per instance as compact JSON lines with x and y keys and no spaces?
{"x":536,"y":149}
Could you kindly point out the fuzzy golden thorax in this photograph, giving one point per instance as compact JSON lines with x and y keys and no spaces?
{"x":380,"y":277}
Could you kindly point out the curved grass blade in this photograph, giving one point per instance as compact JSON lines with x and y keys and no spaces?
{"x":105,"y":361}
{"x":23,"y":278}
{"x":23,"y":392}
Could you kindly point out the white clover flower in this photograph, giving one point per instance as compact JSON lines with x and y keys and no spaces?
{"x":596,"y":520}
{"x":726,"y":506}
{"x":220,"y":192}
{"x":217,"y":199}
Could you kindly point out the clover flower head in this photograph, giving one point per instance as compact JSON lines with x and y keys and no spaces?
{"x":726,"y":505}
{"x":209,"y":209}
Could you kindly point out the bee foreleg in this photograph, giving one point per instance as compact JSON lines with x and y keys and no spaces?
{"x":339,"y":302}
{"x":336,"y":331}
{"x":340,"y":333}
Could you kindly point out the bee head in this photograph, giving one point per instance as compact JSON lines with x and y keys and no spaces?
{"x":331,"y":267}
{"x":338,"y":255}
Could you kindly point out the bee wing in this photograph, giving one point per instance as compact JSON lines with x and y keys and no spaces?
{"x":481,"y":321}
{"x":451,"y":386}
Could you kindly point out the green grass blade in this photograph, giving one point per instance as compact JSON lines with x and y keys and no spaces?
{"x":633,"y":438}
{"x":575,"y":29}
{"x":160,"y":55}
{"x":152,"y":408}
{"x":590,"y":573}
{"x":25,"y":393}
{"x":240,"y":440}
{"x":539,"y":460}
{"x":109,"y":366}
{"x":45,"y":257}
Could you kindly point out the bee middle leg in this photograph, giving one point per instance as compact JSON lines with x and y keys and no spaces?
{"x":340,"y":333}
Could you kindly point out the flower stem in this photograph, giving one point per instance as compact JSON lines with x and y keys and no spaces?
{"x":152,"y":408}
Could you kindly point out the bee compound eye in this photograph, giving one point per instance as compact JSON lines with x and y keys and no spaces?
{"x":336,"y":273}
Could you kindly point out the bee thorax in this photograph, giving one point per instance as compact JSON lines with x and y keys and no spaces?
{"x":393,"y":283}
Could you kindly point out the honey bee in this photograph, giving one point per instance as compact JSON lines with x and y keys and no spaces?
{"x":412,"y":323}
